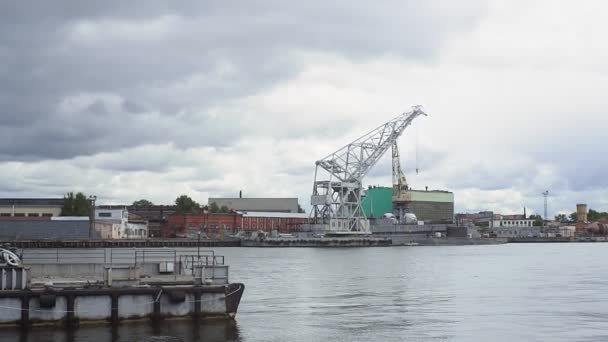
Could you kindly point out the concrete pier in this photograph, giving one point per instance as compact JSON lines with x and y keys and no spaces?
{"x":72,"y":306}
{"x":69,"y":287}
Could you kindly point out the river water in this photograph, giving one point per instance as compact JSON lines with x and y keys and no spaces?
{"x":513,"y":292}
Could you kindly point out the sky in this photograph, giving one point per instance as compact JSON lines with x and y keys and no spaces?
{"x":130,"y":100}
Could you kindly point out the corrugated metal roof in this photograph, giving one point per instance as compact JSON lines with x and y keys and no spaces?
{"x":69,"y":218}
{"x":273,"y":214}
{"x":32,"y":201}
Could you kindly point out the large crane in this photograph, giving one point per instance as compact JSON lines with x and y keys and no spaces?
{"x":337,"y":188}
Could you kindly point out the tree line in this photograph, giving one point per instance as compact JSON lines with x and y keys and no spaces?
{"x":592,"y":215}
{"x":77,"y":204}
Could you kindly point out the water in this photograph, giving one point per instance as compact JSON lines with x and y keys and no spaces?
{"x":525,"y":292}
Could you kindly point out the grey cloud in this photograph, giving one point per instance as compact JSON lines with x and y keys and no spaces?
{"x":203,"y":55}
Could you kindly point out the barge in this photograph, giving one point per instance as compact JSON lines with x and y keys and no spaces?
{"x":132,"y":285}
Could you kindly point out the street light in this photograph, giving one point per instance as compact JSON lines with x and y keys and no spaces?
{"x":92,"y":200}
{"x":198,"y":247}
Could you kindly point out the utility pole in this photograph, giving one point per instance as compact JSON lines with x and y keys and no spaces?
{"x":546,"y":195}
{"x":92,"y":200}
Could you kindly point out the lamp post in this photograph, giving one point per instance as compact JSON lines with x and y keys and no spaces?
{"x":92,"y":200}
{"x":198,"y":247}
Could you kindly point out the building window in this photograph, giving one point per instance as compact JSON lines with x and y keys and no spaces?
{"x":47,"y":215}
{"x":19,"y":214}
{"x":102,"y":214}
{"x":5,"y":214}
{"x":33,"y":215}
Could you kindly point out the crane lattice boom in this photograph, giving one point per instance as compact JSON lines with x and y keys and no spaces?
{"x":336,"y":200}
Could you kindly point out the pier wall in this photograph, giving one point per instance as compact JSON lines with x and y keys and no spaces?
{"x":73,"y":306}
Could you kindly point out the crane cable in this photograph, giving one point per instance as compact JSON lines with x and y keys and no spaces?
{"x":416,"y":152}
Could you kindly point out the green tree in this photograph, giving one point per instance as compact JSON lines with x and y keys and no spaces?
{"x":561,"y":218}
{"x":214,"y":208}
{"x":76,"y":205}
{"x":573,"y":217}
{"x":224,"y":209}
{"x":594,"y":215}
{"x":142,"y":203}
{"x":186,"y":205}
{"x":538,"y":220}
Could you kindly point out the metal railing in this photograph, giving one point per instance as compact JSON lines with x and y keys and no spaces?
{"x":189,"y":262}
{"x":123,"y":256}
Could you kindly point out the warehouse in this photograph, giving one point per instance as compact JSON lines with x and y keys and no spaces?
{"x":430,"y":206}
{"x":30,"y":207}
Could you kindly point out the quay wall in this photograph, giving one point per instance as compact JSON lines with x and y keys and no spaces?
{"x":126,"y":243}
{"x":318,"y":242}
{"x":113,"y":305}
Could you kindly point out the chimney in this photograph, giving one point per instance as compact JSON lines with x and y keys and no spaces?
{"x":240,"y":193}
{"x":525,"y":216}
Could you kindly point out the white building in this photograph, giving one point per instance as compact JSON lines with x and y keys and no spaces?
{"x":517,"y":232}
{"x":515,"y":223}
{"x":117,"y":224}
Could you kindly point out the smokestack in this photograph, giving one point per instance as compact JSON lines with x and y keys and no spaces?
{"x":426,"y":188}
{"x":240,"y":193}
{"x":525,"y":216}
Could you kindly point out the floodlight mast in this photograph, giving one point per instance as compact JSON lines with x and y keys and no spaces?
{"x":337,"y":188}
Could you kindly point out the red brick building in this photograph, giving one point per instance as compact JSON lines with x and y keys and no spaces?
{"x":267,"y":221}
{"x":188,"y":226}
{"x":212,"y":225}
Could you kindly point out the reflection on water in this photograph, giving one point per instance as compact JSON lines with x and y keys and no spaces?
{"x":144,"y":331}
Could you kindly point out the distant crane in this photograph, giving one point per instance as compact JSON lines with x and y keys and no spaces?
{"x":546,"y":195}
{"x":337,"y":188}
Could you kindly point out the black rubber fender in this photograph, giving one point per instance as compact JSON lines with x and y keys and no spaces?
{"x":47,"y":301}
{"x":177,"y":296}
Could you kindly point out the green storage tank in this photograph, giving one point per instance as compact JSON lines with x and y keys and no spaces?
{"x":378,"y":202}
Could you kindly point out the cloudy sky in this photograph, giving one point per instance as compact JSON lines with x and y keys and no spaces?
{"x":151,"y":100}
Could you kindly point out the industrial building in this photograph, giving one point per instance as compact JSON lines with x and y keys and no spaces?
{"x":214,"y":225}
{"x":511,"y":221}
{"x":46,"y":228}
{"x":480,"y":219}
{"x":30,"y":207}
{"x":210,"y":224}
{"x":120,"y":224}
{"x":269,"y":221}
{"x":432,"y":206}
{"x":155,"y":215}
{"x":277,"y":205}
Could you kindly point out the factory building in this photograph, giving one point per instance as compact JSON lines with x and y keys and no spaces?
{"x":30,"y":207}
{"x":277,"y":205}
{"x":432,"y":206}
{"x":516,"y":231}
